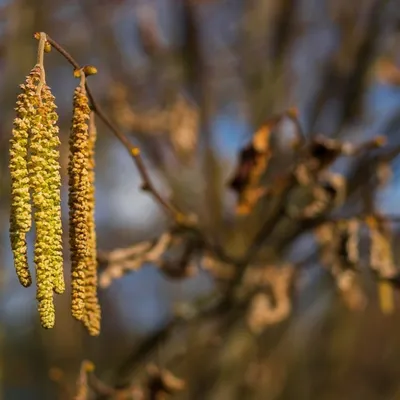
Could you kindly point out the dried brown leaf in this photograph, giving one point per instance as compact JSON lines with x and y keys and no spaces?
{"x":264,"y":310}
{"x":253,"y":162}
{"x":121,"y":261}
{"x":162,"y":382}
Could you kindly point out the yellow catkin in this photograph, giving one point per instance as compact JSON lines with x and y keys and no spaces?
{"x":79,"y":188}
{"x":45,"y":185}
{"x":54,"y":185}
{"x":20,"y":215}
{"x":92,"y":307}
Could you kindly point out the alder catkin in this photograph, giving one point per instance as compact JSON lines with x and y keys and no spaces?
{"x":20,"y":213}
{"x":45,"y":182}
{"x":79,"y":192}
{"x":54,"y":185}
{"x":92,"y":307}
{"x":36,"y":184}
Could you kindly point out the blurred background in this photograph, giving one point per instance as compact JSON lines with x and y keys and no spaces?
{"x":190,"y":81}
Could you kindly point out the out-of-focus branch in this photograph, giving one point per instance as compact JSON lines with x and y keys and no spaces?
{"x":134,"y":151}
{"x":344,"y":77}
{"x":178,"y":121}
{"x":122,"y":260}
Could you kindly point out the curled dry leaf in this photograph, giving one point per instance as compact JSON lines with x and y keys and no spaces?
{"x":253,"y":162}
{"x":335,"y":185}
{"x":262,"y":313}
{"x":323,"y":152}
{"x":339,"y":249}
{"x":324,"y":235}
{"x":302,"y":174}
{"x":381,"y":252}
{"x":382,"y":260}
{"x":350,"y":290}
{"x":339,"y":241}
{"x":265,"y":310}
{"x":314,"y":198}
{"x":257,"y":276}
{"x":162,"y":382}
{"x":124,"y":253}
{"x":219,"y":270}
{"x":121,"y":261}
{"x":319,"y":203}
{"x":173,"y":253}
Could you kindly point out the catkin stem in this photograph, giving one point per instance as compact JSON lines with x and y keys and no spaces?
{"x":40,"y":64}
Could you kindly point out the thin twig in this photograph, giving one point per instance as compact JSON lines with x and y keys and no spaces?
{"x":133,"y":150}
{"x":39,"y":63}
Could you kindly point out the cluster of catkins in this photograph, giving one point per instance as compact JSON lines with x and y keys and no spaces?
{"x":35,"y":188}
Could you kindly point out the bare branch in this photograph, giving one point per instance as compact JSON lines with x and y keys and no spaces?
{"x":134,"y":151}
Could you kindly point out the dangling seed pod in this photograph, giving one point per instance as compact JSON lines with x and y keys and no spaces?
{"x":79,"y":194}
{"x":92,"y":306}
{"x":45,"y":185}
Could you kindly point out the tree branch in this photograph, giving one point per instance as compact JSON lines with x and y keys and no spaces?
{"x":133,"y":150}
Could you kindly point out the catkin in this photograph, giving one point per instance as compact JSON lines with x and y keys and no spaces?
{"x":44,"y":184}
{"x":79,"y":192}
{"x":54,"y":185}
{"x":20,"y":215}
{"x":92,"y":307}
{"x":36,"y":184}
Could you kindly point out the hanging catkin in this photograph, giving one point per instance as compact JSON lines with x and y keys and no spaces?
{"x":35,"y":189}
{"x":20,"y":214}
{"x":54,"y":184}
{"x":34,"y":167}
{"x":92,"y":306}
{"x":45,"y":185}
{"x":79,"y":194}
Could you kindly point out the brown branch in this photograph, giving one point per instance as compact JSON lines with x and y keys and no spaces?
{"x":133,"y":150}
{"x":135,"y":153}
{"x":82,"y":383}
